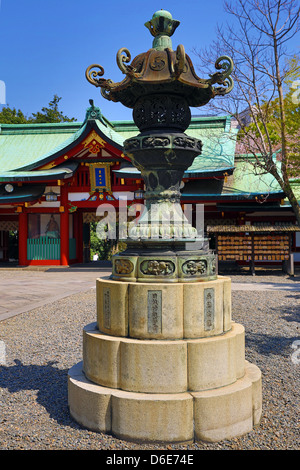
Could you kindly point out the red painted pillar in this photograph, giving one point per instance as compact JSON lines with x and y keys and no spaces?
{"x":64,"y":226}
{"x":23,"y":233}
{"x":78,"y":229}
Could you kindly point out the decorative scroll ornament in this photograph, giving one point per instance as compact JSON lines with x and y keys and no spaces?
{"x":180,"y":70}
{"x":123,"y":57}
{"x":180,"y":60}
{"x":91,"y":75}
{"x":223,"y":78}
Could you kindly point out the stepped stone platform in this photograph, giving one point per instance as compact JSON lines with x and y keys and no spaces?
{"x":165,"y":363}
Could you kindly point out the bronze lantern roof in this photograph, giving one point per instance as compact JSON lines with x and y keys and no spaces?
{"x":161,"y":70}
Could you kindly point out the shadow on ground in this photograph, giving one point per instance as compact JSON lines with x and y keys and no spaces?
{"x":50,"y":383}
{"x":266,"y":345}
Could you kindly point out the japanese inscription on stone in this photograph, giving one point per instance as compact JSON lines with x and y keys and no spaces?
{"x":106,"y":307}
{"x":154,"y":311}
{"x":209,"y":308}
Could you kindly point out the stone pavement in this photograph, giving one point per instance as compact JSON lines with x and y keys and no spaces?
{"x":22,"y":290}
{"x":263,"y":286}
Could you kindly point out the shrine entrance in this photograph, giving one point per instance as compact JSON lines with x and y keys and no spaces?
{"x":97,"y":244}
{"x":9,"y":237}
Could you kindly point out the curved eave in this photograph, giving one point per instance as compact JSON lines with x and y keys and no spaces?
{"x":207,"y":173}
{"x":231,"y":196}
{"x":253,"y":207}
{"x":129,"y":172}
{"x":132,"y":172}
{"x":127,"y":92}
{"x":22,"y":194}
{"x":60,"y":172}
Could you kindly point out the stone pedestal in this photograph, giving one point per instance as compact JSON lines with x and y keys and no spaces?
{"x":165,"y":363}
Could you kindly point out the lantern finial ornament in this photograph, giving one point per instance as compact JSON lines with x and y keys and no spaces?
{"x":162,"y":27}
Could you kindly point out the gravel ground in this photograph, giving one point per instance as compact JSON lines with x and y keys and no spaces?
{"x":43,"y":344}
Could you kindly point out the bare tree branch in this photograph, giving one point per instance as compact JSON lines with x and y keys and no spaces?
{"x":256,"y":39}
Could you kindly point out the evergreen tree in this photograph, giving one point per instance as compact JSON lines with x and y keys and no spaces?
{"x":47,"y":114}
{"x":50,"y":114}
{"x":12,"y":116}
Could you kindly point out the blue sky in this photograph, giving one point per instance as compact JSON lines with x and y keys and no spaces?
{"x":46,"y":46}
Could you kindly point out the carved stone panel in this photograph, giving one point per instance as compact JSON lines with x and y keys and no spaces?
{"x":157,"y":267}
{"x":106,"y":308}
{"x":154,"y":305}
{"x":209,"y":308}
{"x":155,"y":141}
{"x":195,"y":267}
{"x":123,"y":266}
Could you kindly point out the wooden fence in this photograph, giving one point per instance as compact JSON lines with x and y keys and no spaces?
{"x":46,"y":248}
{"x":43,"y":248}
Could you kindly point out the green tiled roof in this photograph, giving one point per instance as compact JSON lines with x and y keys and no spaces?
{"x":21,"y":145}
{"x":246,"y":181}
{"x":242,"y":184}
{"x":25,"y":147}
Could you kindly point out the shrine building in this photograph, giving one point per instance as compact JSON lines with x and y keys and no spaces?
{"x":54,"y":177}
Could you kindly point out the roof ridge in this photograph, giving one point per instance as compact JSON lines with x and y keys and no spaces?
{"x":29,"y":127}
